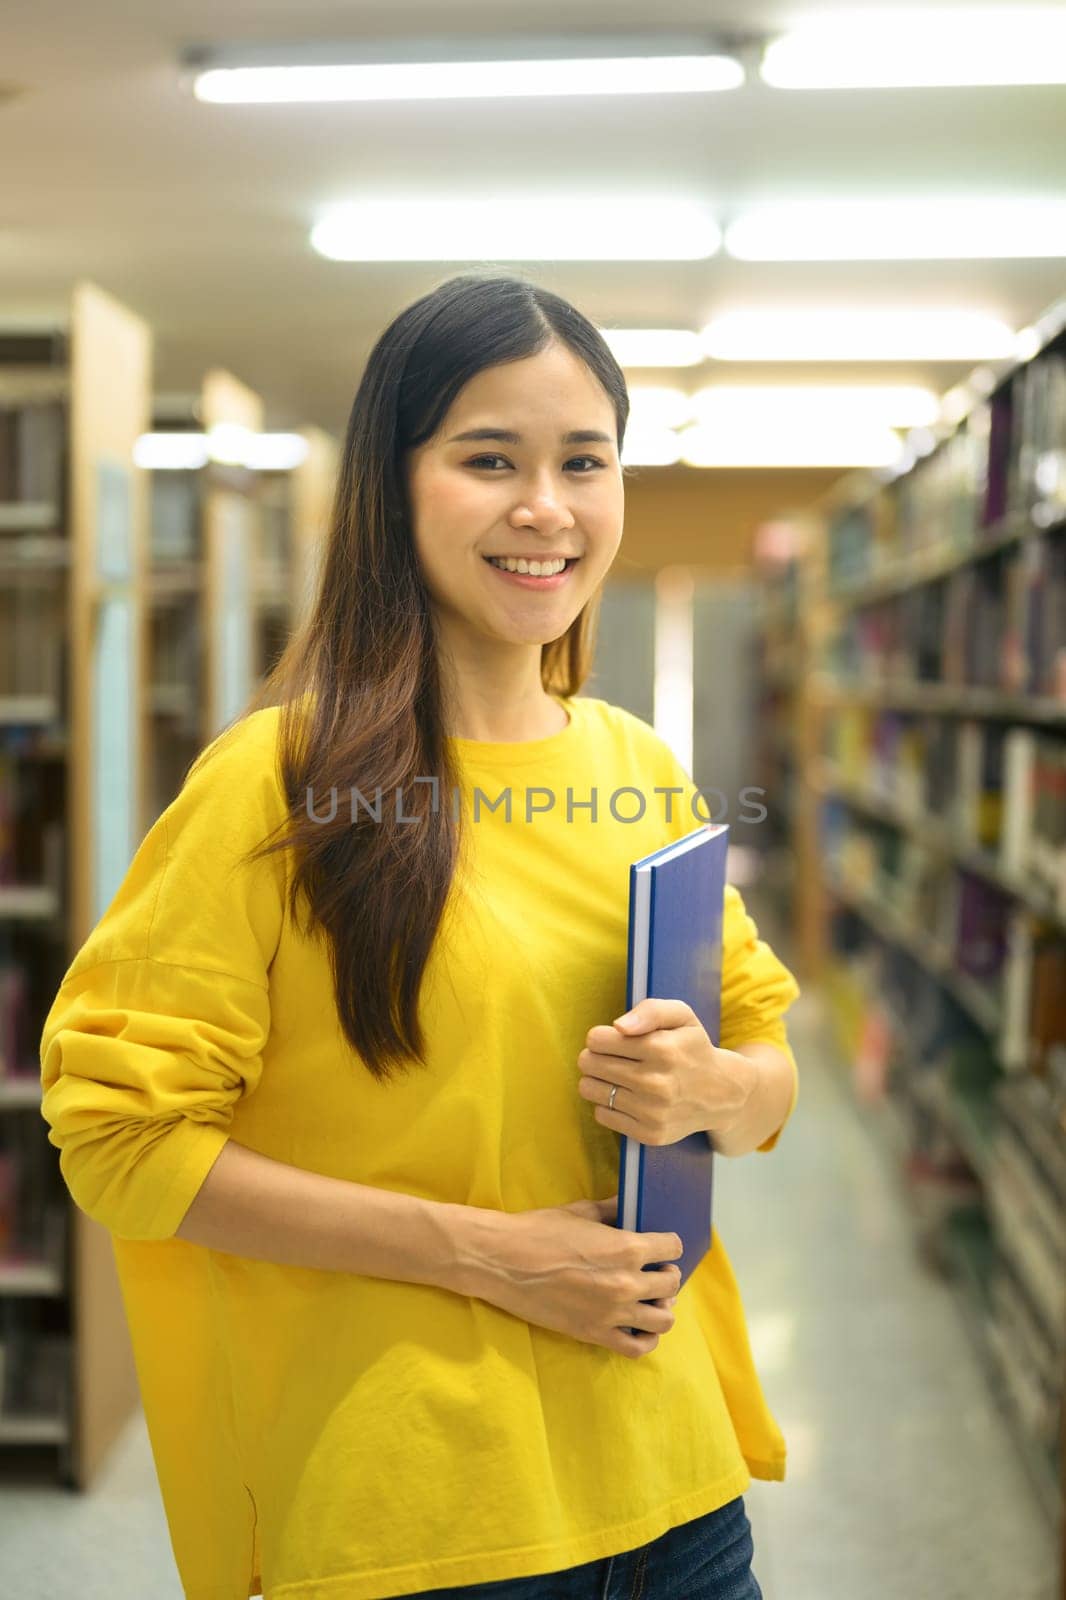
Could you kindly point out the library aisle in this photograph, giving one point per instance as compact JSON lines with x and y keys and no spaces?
{"x":903,"y":1482}
{"x":811,"y":462}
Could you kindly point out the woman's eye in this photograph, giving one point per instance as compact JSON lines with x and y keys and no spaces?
{"x":478,"y":460}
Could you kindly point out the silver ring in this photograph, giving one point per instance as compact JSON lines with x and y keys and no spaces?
{"x":610,"y":1099}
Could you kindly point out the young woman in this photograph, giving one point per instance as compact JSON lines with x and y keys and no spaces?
{"x":342,"y":1067}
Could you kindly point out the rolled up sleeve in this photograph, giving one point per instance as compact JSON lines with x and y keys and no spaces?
{"x":160,"y":1023}
{"x":141,"y":1065}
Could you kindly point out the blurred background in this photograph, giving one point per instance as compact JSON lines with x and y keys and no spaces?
{"x":828,"y":246}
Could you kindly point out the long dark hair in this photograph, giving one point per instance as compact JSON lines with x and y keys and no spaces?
{"x":358,"y":683}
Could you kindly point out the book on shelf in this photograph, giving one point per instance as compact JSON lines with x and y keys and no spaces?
{"x":1047,"y":1006}
{"x":1026,"y":1219}
{"x":1001,"y":434}
{"x":998,"y":789}
{"x":32,"y":655}
{"x":980,"y":947}
{"x":1025,"y":1359}
{"x":175,"y":517}
{"x":1046,"y":853}
{"x":14,"y":1020}
{"x":33,"y":452}
{"x":36,"y":1361}
{"x":1038,"y":445}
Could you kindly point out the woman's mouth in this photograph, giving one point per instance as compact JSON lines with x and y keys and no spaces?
{"x":530,"y":580}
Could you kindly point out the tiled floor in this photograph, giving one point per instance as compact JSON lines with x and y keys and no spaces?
{"x":903,"y":1483}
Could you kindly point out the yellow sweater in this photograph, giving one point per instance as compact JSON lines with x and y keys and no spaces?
{"x":326,"y":1436}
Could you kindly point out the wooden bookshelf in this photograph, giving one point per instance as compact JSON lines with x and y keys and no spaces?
{"x":232,"y":544}
{"x":234,"y":561}
{"x":175,"y":728}
{"x":74,"y":397}
{"x":274,"y":587}
{"x":914,"y":709}
{"x":136,"y":612}
{"x":313,"y":486}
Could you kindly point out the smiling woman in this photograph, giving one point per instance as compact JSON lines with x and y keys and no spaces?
{"x":317,"y":1068}
{"x":534,"y":507}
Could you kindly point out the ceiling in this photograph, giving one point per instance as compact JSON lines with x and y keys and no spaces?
{"x":197,"y":216}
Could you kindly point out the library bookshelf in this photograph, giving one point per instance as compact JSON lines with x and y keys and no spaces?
{"x":137,"y":610}
{"x":74,"y":396}
{"x":913,"y":732}
{"x":233,"y":560}
{"x":220,"y":581}
{"x":176,"y":718}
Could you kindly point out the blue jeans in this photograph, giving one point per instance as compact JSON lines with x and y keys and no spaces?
{"x":706,"y":1559}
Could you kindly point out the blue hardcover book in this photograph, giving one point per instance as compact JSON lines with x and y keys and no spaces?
{"x":676,"y":902}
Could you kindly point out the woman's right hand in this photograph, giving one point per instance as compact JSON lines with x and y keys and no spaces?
{"x":566,"y":1268}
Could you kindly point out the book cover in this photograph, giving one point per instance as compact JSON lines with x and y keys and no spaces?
{"x":676,"y":903}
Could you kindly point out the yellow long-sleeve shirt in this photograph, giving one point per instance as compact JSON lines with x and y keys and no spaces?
{"x":327,"y":1436}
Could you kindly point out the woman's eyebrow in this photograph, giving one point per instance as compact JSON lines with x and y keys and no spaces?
{"x":507,"y":436}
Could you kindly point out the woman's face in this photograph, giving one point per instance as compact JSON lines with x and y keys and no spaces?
{"x":534,"y":496}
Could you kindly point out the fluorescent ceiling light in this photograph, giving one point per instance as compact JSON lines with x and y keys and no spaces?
{"x":883,"y":405}
{"x":490,"y":67}
{"x":650,"y":447}
{"x":921,"y":49}
{"x":275,"y":452}
{"x":226,"y":443}
{"x":793,"y":444}
{"x":640,"y":228}
{"x":170,"y":452}
{"x":654,"y":347}
{"x":821,"y":335}
{"x":652,"y":406}
{"x":919,"y":230}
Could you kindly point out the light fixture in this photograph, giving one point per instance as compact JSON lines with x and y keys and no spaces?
{"x":884,"y":405}
{"x":648,"y":446}
{"x":654,"y":347}
{"x":821,"y":335}
{"x":909,"y":230}
{"x":454,"y":68}
{"x":275,"y":452}
{"x":503,"y":228}
{"x":653,"y":406}
{"x":911,"y":48}
{"x":226,"y":443}
{"x":797,"y":444}
{"x":170,"y":452}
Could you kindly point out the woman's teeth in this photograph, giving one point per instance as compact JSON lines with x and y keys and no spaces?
{"x":536,"y":569}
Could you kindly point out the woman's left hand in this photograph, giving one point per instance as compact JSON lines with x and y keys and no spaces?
{"x":672,"y":1081}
